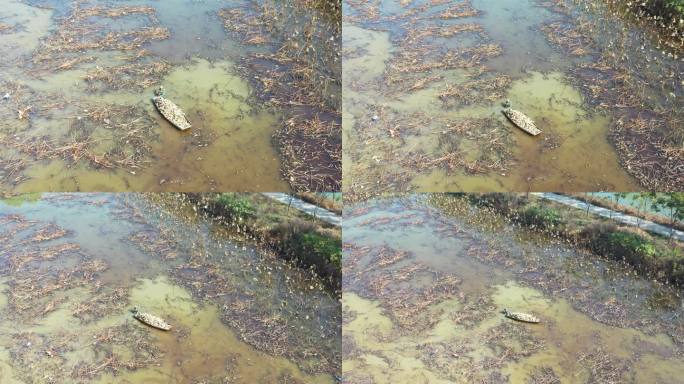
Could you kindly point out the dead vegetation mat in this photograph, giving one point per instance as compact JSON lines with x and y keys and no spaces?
{"x":644,"y":100}
{"x":86,"y":30}
{"x":284,"y":329}
{"x":301,"y":76}
{"x":98,"y":136}
{"x":424,"y":60}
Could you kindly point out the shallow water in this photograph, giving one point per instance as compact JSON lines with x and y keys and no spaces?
{"x":573,"y":166}
{"x":573,"y":153}
{"x":229,"y":147}
{"x":461,"y":335}
{"x":216,"y":327}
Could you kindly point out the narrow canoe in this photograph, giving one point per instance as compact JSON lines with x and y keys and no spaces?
{"x":152,"y":320}
{"x":519,"y":316}
{"x":521,"y":121}
{"x":171,"y":112}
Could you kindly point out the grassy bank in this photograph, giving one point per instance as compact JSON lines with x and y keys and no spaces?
{"x":310,"y":243}
{"x":330,"y":201}
{"x":668,"y":9}
{"x":652,"y":256}
{"x":628,"y":209}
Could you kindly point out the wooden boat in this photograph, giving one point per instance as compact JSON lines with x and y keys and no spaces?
{"x":521,"y":121}
{"x":171,"y":112}
{"x":519,"y":316}
{"x":151,"y":320}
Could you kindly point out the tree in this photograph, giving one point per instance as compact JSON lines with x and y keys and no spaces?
{"x":673,"y":204}
{"x":641,"y":199}
{"x":619,"y":195}
{"x":586,"y":200}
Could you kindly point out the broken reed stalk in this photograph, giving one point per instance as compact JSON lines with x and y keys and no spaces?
{"x":304,"y":84}
{"x":648,"y":140}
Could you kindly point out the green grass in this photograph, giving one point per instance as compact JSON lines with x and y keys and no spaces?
{"x":539,"y":217}
{"x":675,"y":5}
{"x":316,"y":249}
{"x":667,"y":8}
{"x":294,"y":235}
{"x":644,"y":253}
{"x":235,"y":206}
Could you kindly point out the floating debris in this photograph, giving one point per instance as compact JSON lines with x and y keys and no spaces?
{"x":170,"y":111}
{"x":151,"y":320}
{"x":519,"y":316}
{"x":521,"y":121}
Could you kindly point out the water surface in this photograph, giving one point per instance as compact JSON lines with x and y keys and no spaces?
{"x":416,"y":119}
{"x":238,"y":313}
{"x":103,"y":102}
{"x":427,"y":277}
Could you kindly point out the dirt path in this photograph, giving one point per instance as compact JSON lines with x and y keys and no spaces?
{"x":623,"y":218}
{"x":313,"y":210}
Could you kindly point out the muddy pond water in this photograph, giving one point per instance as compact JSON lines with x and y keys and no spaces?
{"x":424,"y":87}
{"x":81,"y":75}
{"x":72,"y":266}
{"x":426,"y":279}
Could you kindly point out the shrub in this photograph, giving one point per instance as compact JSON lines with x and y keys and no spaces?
{"x":300,"y":241}
{"x":235,"y":206}
{"x":540,"y":217}
{"x":676,"y":267}
{"x":676,"y":6}
{"x":632,"y":248}
{"x":294,"y":227}
{"x":324,"y":247}
{"x":593,"y":231}
{"x":667,"y":8}
{"x":502,"y":202}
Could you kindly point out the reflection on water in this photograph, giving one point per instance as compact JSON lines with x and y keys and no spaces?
{"x":424,"y":287}
{"x":73,"y":265}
